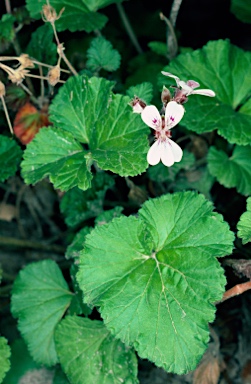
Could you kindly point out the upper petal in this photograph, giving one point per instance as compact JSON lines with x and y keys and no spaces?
{"x":151,"y":117}
{"x":153,"y":155}
{"x":173,"y":114}
{"x":171,"y":75}
{"x":204,"y":92}
{"x":193,"y":84}
{"x":166,"y":154}
{"x":176,"y":150}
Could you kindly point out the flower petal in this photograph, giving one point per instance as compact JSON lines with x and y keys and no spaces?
{"x":204,"y":92}
{"x":171,"y":75}
{"x":173,"y":114}
{"x":151,"y":117}
{"x":193,"y":84}
{"x":153,"y":155}
{"x":166,"y":154}
{"x":177,"y":151}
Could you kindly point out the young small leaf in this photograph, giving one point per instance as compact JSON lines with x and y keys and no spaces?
{"x":39,"y":300}
{"x":42,"y":38}
{"x":76,"y":15}
{"x":88,"y":353}
{"x":242,"y":10}
{"x":144,"y":91}
{"x":158,"y":47}
{"x":56,"y":154}
{"x":4,"y":358}
{"x":7,"y":31}
{"x":234,"y":171}
{"x":156,"y":277}
{"x":101,"y":55}
{"x":244,"y":224}
{"x":226,"y":69}
{"x":10,"y":157}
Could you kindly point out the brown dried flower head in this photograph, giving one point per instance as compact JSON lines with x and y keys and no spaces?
{"x":2,"y":89}
{"x":54,"y":75}
{"x":16,"y":76}
{"x":50,"y":14}
{"x":25,"y":61}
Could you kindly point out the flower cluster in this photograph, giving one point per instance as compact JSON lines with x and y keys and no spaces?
{"x":164,"y":148}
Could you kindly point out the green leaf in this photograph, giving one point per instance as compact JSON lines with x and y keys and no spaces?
{"x":242,"y":10}
{"x":41,"y":46}
{"x":7,"y":31}
{"x":117,"y":138}
{"x":78,"y":206}
{"x":10,"y":157}
{"x":93,"y":5}
{"x":39,"y":300}
{"x":77,"y":307}
{"x":226,"y":69}
{"x":55,"y":153}
{"x":107,"y":216}
{"x":60,"y":377}
{"x":4,"y":358}
{"x":21,"y":362}
{"x":143,"y":91}
{"x":80,"y":104}
{"x":244,"y":224}
{"x":101,"y":55}
{"x":158,"y":47}
{"x":88,"y":353}
{"x":234,"y":171}
{"x":120,"y":143}
{"x":156,"y":277}
{"x":73,"y":250}
{"x":76,"y":15}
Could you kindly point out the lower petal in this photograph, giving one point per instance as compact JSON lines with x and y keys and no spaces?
{"x":153,"y":155}
{"x":176,"y":150}
{"x":166,"y":154}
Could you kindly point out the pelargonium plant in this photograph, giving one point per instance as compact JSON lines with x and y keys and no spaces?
{"x":129,"y":214}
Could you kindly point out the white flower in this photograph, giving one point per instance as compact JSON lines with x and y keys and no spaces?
{"x":164,"y":148}
{"x":188,"y":87}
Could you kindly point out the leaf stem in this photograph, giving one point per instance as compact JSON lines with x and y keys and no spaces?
{"x":128,"y":27}
{"x":7,"y":6}
{"x":7,"y":115}
{"x":19,"y":243}
{"x":235,"y":291}
{"x":172,"y":45}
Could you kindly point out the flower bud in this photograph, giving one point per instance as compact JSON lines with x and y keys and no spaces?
{"x":137,"y":105}
{"x":2,"y":89}
{"x":54,"y":75}
{"x":165,"y":96}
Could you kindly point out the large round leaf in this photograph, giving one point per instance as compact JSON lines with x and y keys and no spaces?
{"x":156,"y":277}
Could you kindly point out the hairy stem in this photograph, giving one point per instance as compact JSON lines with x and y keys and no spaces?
{"x":172,"y":45}
{"x":128,"y":27}
{"x":7,"y":115}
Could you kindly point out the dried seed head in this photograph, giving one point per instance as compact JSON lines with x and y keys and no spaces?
{"x":137,"y":105}
{"x":25,"y":61}
{"x":54,"y":75}
{"x":2,"y":89}
{"x":50,"y":13}
{"x":16,"y":76}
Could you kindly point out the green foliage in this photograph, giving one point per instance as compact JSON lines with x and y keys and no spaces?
{"x":78,"y":206}
{"x":10,"y":157}
{"x":234,"y":171}
{"x":73,"y":250}
{"x":244,"y":224}
{"x":88,"y":353}
{"x":226,"y":69}
{"x":76,"y":15}
{"x":242,"y":10}
{"x":157,"y":292}
{"x":143,"y":91}
{"x":7,"y":32}
{"x":21,"y":362}
{"x":107,"y":216}
{"x":40,"y":298}
{"x":41,"y":46}
{"x":86,"y":111}
{"x":56,"y":154}
{"x":101,"y":55}
{"x":4,"y":358}
{"x":158,"y":47}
